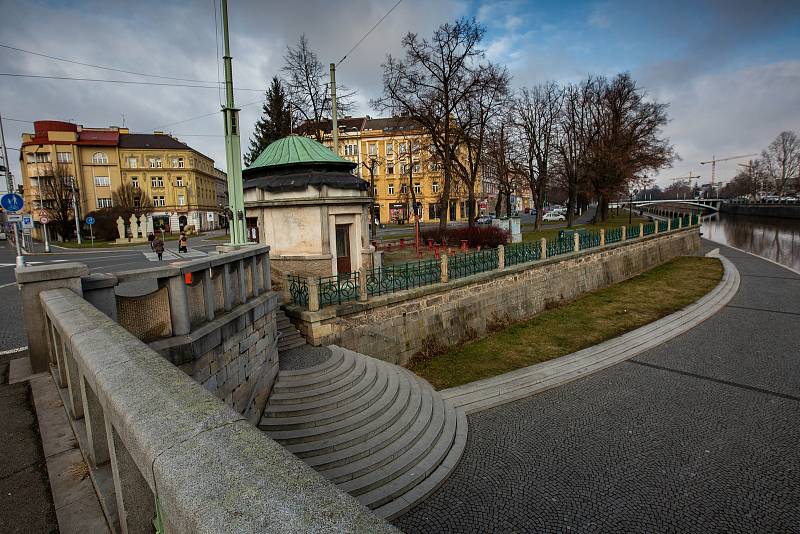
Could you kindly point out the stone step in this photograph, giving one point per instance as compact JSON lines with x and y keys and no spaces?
{"x":381,"y":449}
{"x":416,"y":473}
{"x":289,"y":345}
{"x":309,"y":372}
{"x":325,"y":403}
{"x":345,"y":382}
{"x":401,"y":458}
{"x":375,"y":391}
{"x":301,"y":383}
{"x":397,"y":388}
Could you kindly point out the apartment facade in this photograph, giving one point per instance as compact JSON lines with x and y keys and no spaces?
{"x":403,"y":168}
{"x":183,"y":184}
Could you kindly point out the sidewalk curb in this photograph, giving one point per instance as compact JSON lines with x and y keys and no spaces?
{"x":528,"y":381}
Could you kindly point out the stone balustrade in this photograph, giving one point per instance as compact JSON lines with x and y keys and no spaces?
{"x":177,"y":454}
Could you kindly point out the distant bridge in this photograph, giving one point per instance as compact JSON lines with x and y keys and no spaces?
{"x":706,"y":203}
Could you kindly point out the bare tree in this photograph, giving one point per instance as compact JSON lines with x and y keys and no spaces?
{"x":307,"y":89}
{"x":57,"y":193}
{"x":629,"y":142}
{"x":130,"y":200}
{"x":536,"y":114}
{"x":500,"y":164}
{"x":473,"y":117}
{"x":429,"y":84}
{"x":782,"y":161}
{"x":371,"y":165}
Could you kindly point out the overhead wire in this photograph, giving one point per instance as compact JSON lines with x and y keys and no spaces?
{"x":369,"y":32}
{"x":127,"y":82}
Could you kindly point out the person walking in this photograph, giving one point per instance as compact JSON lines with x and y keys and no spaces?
{"x":183,"y":244}
{"x":158,"y":247}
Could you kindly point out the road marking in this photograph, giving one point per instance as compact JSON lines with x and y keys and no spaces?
{"x":32,"y":263}
{"x":13,"y":351}
{"x":8,"y":284}
{"x":192,"y":254}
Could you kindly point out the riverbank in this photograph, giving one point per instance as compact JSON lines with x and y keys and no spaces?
{"x":781,"y":211}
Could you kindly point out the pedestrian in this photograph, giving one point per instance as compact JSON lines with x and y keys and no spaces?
{"x":158,"y":246}
{"x":183,"y":244}
{"x":150,"y":237}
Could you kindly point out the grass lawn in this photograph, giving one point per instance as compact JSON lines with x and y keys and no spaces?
{"x":586,"y":321}
{"x":614,"y":221}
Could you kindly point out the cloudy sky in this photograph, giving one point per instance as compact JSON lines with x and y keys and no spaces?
{"x":729,"y":69}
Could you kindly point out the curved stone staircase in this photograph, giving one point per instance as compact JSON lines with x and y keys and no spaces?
{"x":378,"y":431}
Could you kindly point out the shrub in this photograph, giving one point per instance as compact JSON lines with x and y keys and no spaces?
{"x":105,"y":224}
{"x":477,"y":236}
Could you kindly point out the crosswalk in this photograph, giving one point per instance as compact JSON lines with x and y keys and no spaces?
{"x":171,"y":255}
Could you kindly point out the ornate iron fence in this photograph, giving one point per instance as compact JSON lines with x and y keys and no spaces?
{"x":589,"y":240}
{"x":392,"y":278}
{"x":522,"y":253}
{"x":560,"y":246}
{"x":460,"y":265}
{"x":298,"y":289}
{"x":662,"y":226}
{"x":675,"y":223}
{"x":613,"y":235}
{"x":632,"y":231}
{"x":649,"y":228}
{"x":338,"y":289}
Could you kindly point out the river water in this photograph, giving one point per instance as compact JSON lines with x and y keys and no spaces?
{"x":769,"y":237}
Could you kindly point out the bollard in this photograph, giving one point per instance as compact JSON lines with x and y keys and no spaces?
{"x":543,"y":251}
{"x":464,"y":245}
{"x":430,"y":244}
{"x":436,"y":251}
{"x":402,"y":243}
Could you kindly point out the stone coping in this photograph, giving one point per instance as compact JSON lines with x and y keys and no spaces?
{"x":43,"y":273}
{"x":320,"y":201}
{"x":191,"y":266}
{"x":521,"y":383}
{"x":330,"y":312}
{"x":210,"y":470}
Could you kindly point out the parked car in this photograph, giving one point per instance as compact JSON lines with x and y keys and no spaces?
{"x":484,"y":219}
{"x":553,"y":216}
{"x":3,"y":235}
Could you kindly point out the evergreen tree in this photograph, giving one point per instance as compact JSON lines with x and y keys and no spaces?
{"x":275,"y":121}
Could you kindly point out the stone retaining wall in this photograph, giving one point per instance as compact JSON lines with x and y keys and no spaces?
{"x":762,"y":210}
{"x":394,"y":327}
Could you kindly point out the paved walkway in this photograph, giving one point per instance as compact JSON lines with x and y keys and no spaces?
{"x":699,"y":434}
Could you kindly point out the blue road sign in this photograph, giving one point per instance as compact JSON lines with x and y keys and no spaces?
{"x":12,"y":202}
{"x":90,"y":220}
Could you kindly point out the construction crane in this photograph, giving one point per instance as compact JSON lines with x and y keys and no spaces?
{"x":688,"y":179}
{"x":715,"y":160}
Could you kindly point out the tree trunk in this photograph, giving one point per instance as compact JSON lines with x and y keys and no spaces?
{"x":471,"y":207}
{"x":508,"y":204}
{"x":571,"y":201}
{"x":498,"y":205}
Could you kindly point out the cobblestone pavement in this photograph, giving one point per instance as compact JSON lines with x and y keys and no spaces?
{"x":302,"y":357}
{"x":699,"y":434}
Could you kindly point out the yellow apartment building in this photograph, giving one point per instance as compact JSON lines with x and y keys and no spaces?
{"x":402,"y":164}
{"x":183,"y":184}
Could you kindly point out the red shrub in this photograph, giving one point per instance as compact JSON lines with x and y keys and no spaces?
{"x":483,"y":236}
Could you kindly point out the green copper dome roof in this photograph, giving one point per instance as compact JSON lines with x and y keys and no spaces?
{"x":297,"y":150}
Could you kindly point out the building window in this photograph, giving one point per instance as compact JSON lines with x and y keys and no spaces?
{"x":373,"y":149}
{"x":351,"y":150}
{"x":402,"y":148}
{"x":403,"y":169}
{"x":135,"y":182}
{"x":157,"y":181}
{"x":374,"y":191}
{"x":417,"y":168}
{"x":100,"y":158}
{"x":403,"y":189}
{"x":414,"y":147}
{"x":137,"y":202}
{"x":42,"y":157}
{"x":179,"y":181}
{"x":389,"y":149}
{"x":102,"y":181}
{"x":104,"y":203}
{"x":155,"y":163}
{"x":435,"y":187}
{"x":69,"y":181}
{"x":64,"y":157}
{"x":390,"y":168}
{"x":31,"y":157}
{"x":433,"y":211}
{"x":417,"y":189}
{"x":158,"y":201}
{"x":181,"y":200}
{"x":133,"y":163}
{"x":177,"y":163}
{"x":391,"y":189}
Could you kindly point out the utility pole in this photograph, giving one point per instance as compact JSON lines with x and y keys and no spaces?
{"x":233,"y":148}
{"x":75,"y":211}
{"x":9,"y":178}
{"x":334,"y":126}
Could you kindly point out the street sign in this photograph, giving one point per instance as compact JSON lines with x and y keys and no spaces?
{"x":27,"y":222}
{"x":12,"y":202}
{"x":14,"y":217}
{"x":43,"y":219}
{"x":90,"y":220}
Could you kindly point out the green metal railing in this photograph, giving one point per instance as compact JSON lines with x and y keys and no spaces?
{"x":632,"y":231}
{"x":461,"y":265}
{"x":613,"y":235}
{"x":589,"y":240}
{"x":560,"y":246}
{"x":298,"y":289}
{"x":337,"y":289}
{"x":649,"y":228}
{"x":392,"y":278}
{"x":522,"y":253}
{"x":662,"y":226}
{"x":675,"y":223}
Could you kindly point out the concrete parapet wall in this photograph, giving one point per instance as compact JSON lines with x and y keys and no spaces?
{"x":762,"y":210}
{"x":173,"y":446}
{"x":394,"y":327}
